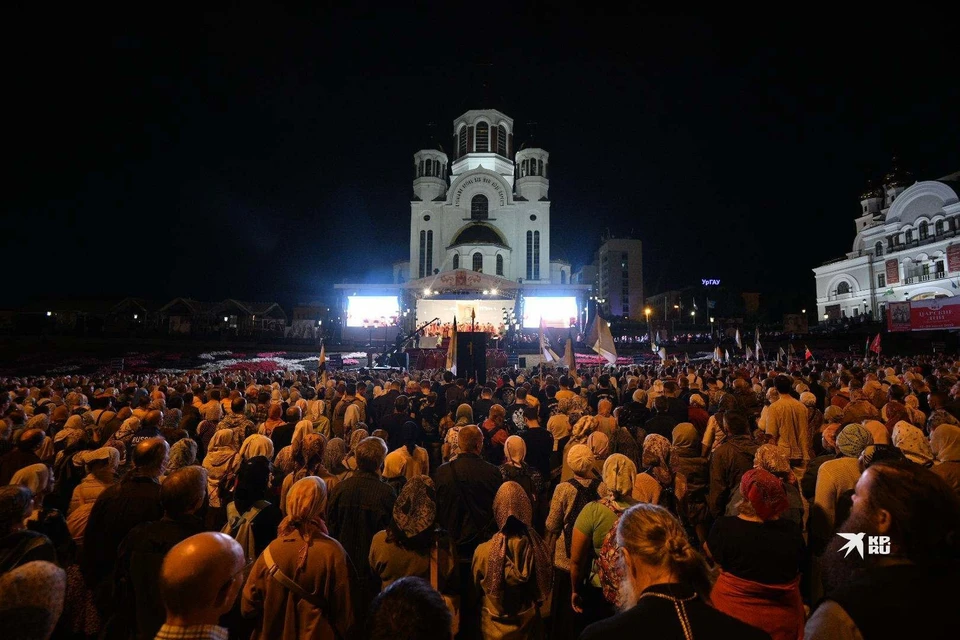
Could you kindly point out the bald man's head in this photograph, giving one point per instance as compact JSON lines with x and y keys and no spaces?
{"x":200,"y":578}
{"x":150,"y":456}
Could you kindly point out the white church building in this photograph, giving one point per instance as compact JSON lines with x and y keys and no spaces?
{"x":907,"y":247}
{"x":479,"y":236}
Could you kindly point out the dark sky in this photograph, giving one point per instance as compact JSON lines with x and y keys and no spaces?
{"x":266,"y":154}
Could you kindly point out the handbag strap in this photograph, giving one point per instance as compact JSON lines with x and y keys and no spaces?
{"x":434,"y":566}
{"x":274,"y":572}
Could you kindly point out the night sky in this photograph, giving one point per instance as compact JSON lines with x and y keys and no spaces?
{"x":267,"y":154}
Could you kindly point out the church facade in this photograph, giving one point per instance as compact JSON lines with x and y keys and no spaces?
{"x":907,"y":247}
{"x":486,"y":209}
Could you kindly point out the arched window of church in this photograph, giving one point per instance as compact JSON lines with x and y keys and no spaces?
{"x":536,"y":255}
{"x":533,"y":167}
{"x":938,"y":227}
{"x":478,"y":261}
{"x":429,"y":268}
{"x":456,"y":261}
{"x":420,"y":169}
{"x":499,"y":265}
{"x":843,"y":287}
{"x":462,"y":142}
{"x":502,"y":140}
{"x":924,"y":230}
{"x":482,"y":134}
{"x":878,"y":249}
{"x":529,"y":255}
{"x":479,"y":207}
{"x":909,"y":236}
{"x":539,"y":167}
{"x":423,"y":254}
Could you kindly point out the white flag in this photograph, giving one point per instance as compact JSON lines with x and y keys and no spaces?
{"x":569,"y":358}
{"x":726,"y":355}
{"x":548,"y":354}
{"x":451,"y":364}
{"x":601,"y":340}
{"x":663,"y":354}
{"x":737,"y":338}
{"x":749,"y":353}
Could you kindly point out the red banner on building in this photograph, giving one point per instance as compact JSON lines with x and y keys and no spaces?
{"x":898,"y":316}
{"x":893,"y":271}
{"x":953,"y":257}
{"x":942,"y":313}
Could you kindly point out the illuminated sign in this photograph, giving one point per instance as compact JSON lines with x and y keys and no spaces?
{"x":710,"y":282}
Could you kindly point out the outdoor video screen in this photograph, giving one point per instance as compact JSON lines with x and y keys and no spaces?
{"x":372,"y":311}
{"x":558,"y":313}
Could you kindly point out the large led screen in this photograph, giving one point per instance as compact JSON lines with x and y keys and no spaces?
{"x":558,"y":313}
{"x":372,"y":311}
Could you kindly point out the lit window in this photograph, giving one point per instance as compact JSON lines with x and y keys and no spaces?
{"x":462,"y":142}
{"x":482,"y":141}
{"x":502,"y":140}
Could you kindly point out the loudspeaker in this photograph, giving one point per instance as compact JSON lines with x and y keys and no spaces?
{"x":472,"y":356}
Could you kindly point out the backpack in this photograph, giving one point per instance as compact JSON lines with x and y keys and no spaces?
{"x":610,"y":560}
{"x":585,"y":495}
{"x":240,"y":527}
{"x":227,"y":486}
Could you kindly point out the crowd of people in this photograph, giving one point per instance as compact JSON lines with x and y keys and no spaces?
{"x":743,"y":500}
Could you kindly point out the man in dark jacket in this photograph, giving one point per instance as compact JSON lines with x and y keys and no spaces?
{"x":604,"y":392}
{"x":393,"y":422}
{"x":730,"y":460}
{"x":121,"y":507}
{"x":359,"y":507}
{"x":383,"y":406}
{"x":465,"y":491}
{"x":140,"y":556}
{"x":662,"y":422}
{"x":282,"y":435}
{"x":481,"y":406}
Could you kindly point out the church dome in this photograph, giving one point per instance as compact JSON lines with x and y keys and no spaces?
{"x":478,"y":233}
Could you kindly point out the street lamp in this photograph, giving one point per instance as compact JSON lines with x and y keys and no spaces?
{"x":826,"y":316}
{"x":647,"y":312}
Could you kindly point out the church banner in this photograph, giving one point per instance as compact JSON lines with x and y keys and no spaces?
{"x":953,"y":257}
{"x":924,"y":315}
{"x":893,"y":271}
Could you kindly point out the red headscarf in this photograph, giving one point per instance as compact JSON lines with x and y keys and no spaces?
{"x":764,"y":491}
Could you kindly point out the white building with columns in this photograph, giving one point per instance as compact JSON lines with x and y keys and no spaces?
{"x":907,"y":247}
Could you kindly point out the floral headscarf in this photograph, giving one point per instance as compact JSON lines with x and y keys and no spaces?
{"x":182,"y":454}
{"x":415,"y":510}
{"x":656,"y":452}
{"x":355,"y":438}
{"x":912,"y":442}
{"x":333,"y":455}
{"x":853,"y":439}
{"x":829,"y":435}
{"x":618,"y":474}
{"x":764,"y":491}
{"x":310,"y":460}
{"x":511,"y":501}
{"x":306,"y":504}
{"x":583,"y":428}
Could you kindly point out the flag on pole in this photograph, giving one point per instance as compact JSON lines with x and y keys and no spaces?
{"x":749,"y":353}
{"x":726,"y":355}
{"x":569,"y":359}
{"x":663,"y":354}
{"x":807,"y":355}
{"x":791,"y":350}
{"x":737,"y":338}
{"x":322,"y":367}
{"x":866,"y":349}
{"x":601,"y":340}
{"x":875,"y":347}
{"x":756,"y":342}
{"x":717,"y":355}
{"x":451,"y":364}
{"x":545,"y":350}
{"x":686,"y":358}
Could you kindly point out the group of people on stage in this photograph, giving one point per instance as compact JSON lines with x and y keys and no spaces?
{"x":725,"y":501}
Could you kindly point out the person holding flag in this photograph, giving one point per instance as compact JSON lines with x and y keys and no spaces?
{"x":875,"y":347}
{"x":807,"y":355}
{"x":756,"y":342}
{"x":322,"y":366}
{"x":451,"y":363}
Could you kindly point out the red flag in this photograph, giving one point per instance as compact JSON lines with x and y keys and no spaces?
{"x":807,"y":354}
{"x":875,"y":347}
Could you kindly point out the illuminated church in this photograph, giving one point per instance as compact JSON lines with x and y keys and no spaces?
{"x":479,"y":236}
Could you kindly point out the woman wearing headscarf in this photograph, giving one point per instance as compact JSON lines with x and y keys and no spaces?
{"x":773,"y":459}
{"x":945,"y":445}
{"x":569,"y":499}
{"x":308,"y":461}
{"x":221,"y":463}
{"x":451,"y":439}
{"x":656,"y":475}
{"x":274,"y":420}
{"x":334,"y":455}
{"x":515,"y":469}
{"x":183,"y":453}
{"x":32,"y":598}
{"x":579,"y":434}
{"x":101,"y":466}
{"x":513,"y":570}
{"x":253,"y":492}
{"x":256,"y":445}
{"x":413,"y":545}
{"x":691,"y":477}
{"x":304,"y":554}
{"x":409,"y":460}
{"x":836,"y":480}
{"x":42,"y":519}
{"x":914,"y":445}
{"x":591,"y":527}
{"x":759,"y":554}
{"x":350,"y":462}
